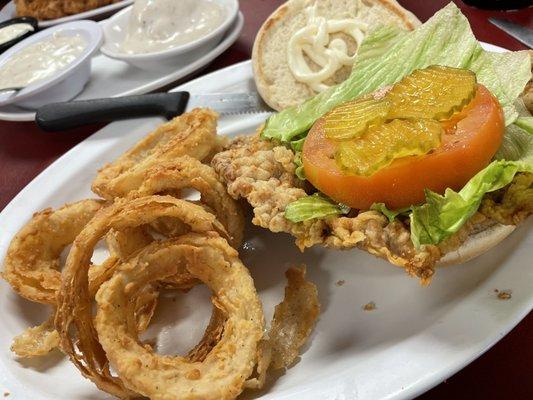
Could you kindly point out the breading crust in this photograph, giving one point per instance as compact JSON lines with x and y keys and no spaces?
{"x":53,"y":9}
{"x":264,"y":175}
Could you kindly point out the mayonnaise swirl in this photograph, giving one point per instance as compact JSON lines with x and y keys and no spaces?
{"x":314,"y":41}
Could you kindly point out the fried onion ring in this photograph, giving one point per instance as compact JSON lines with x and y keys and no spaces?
{"x":193,"y":134}
{"x":36,"y":250}
{"x":32,"y":262}
{"x":74,"y":320}
{"x":223,"y":371}
{"x":187,"y":172}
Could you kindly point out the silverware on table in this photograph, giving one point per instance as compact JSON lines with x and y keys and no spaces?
{"x":72,"y":114}
{"x":521,"y":33}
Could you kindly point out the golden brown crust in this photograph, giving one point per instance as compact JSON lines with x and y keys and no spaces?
{"x":192,"y":134}
{"x":224,"y":369}
{"x":74,"y":320}
{"x":32,"y":265}
{"x":409,"y":20}
{"x":513,"y":204}
{"x":53,"y":9}
{"x":264,"y":175}
{"x":187,"y":172}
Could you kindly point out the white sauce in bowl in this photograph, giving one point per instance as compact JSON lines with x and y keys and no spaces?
{"x":41,"y":60}
{"x":13,"y":31}
{"x":157,"y":25}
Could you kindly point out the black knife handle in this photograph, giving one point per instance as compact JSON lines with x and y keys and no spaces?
{"x":68,"y":115}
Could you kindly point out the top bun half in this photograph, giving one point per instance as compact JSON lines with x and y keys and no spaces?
{"x":273,"y":77}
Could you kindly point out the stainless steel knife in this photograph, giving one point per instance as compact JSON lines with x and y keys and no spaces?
{"x":72,"y":114}
{"x":521,"y":33}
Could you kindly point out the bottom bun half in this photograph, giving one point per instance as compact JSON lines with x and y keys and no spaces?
{"x":477,"y":244}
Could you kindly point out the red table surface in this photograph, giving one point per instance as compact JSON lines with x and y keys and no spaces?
{"x":505,"y":371}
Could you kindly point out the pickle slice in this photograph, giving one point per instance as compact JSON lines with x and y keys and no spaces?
{"x":386,"y":142}
{"x":350,"y":120}
{"x":435,"y":92}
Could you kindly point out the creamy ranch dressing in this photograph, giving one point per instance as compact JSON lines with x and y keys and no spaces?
{"x":13,"y":31}
{"x":41,"y":60}
{"x":313,"y":40}
{"x":157,"y":25}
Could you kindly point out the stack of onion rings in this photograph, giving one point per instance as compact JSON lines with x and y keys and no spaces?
{"x":141,"y":189}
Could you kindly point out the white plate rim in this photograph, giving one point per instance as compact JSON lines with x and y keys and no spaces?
{"x":229,"y":39}
{"x":411,"y":392}
{"x":84,"y":15}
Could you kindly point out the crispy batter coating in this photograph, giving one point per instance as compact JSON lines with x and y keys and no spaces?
{"x":211,"y":337}
{"x":513,"y":204}
{"x":52,"y":9}
{"x":32,"y":262}
{"x":264,"y":175}
{"x":169,"y":160}
{"x":36,"y":341}
{"x":223,"y":371}
{"x":192,"y":134}
{"x":291,"y":326}
{"x":294,"y":318}
{"x":32,"y":267}
{"x":187,"y":172}
{"x":74,"y":320}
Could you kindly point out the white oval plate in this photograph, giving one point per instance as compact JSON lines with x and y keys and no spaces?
{"x":9,"y":11}
{"x":417,"y":337}
{"x":113,"y":78}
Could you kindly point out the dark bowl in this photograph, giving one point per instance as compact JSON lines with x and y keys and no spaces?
{"x":20,"y":20}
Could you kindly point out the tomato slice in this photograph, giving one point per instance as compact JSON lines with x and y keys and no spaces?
{"x":472,"y":138}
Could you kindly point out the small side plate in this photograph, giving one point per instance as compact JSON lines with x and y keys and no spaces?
{"x":112,"y":78}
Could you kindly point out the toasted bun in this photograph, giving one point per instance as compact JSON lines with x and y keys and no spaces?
{"x":274,"y":80}
{"x":477,"y":244}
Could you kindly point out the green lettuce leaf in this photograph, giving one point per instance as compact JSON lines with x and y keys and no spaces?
{"x":316,"y":206}
{"x":442,"y":216}
{"x":390,"y":214}
{"x":386,"y":56}
{"x":300,"y":172}
{"x":297,"y":146}
{"x":517,"y":143}
{"x":525,"y":123}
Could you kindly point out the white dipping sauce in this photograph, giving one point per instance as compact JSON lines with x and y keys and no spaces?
{"x":157,"y":25}
{"x":41,"y":60}
{"x":13,"y":31}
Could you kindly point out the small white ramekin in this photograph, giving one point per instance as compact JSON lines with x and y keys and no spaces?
{"x":116,"y":28}
{"x":66,"y":83}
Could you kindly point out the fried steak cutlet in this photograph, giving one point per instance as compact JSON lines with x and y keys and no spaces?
{"x":53,"y":9}
{"x":263,"y":174}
